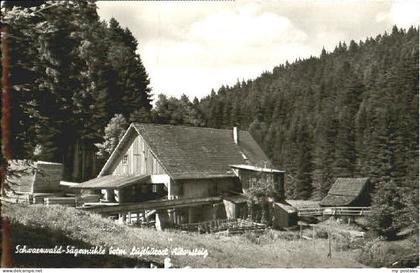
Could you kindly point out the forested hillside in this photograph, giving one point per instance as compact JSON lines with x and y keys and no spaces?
{"x":69,"y":74}
{"x":351,"y":112}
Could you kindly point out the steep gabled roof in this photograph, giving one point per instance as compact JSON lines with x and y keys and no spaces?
{"x":344,"y":191}
{"x":193,"y":152}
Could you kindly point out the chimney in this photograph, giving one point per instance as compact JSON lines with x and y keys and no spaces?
{"x":235,"y":135}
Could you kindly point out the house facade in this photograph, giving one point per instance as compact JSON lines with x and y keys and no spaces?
{"x":193,"y":168}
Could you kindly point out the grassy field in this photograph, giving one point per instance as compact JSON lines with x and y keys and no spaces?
{"x":63,"y":225}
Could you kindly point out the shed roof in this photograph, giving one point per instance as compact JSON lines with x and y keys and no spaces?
{"x":286,"y":207}
{"x":193,"y":152}
{"x":303,"y":203}
{"x":256,"y":169}
{"x":112,"y":182}
{"x":344,"y":191}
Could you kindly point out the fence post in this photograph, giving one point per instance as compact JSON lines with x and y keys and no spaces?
{"x":313,"y":232}
{"x":329,"y":245}
{"x":300,"y":231}
{"x":167,"y":263}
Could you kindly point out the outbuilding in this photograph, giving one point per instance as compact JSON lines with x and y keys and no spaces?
{"x":348,"y":192}
{"x":284,"y":215}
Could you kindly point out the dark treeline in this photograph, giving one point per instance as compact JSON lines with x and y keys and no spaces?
{"x":352,"y":112}
{"x":69,"y":74}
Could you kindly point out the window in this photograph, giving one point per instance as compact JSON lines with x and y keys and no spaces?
{"x":178,"y":189}
{"x":125,"y":160}
{"x":253,"y":182}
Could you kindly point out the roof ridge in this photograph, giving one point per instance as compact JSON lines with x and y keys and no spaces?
{"x":352,"y":178}
{"x":190,"y":150}
{"x":181,"y":125}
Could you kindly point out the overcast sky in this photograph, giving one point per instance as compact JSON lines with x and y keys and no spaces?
{"x":193,"y":46}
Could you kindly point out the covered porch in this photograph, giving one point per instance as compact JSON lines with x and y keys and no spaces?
{"x":123,"y":189}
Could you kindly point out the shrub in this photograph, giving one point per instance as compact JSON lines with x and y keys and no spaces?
{"x":343,"y":241}
{"x":379,"y":253}
{"x":252,"y":237}
{"x":386,"y":210}
{"x":321,"y":233}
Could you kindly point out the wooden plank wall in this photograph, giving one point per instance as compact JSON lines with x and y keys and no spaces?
{"x":248,"y":178}
{"x":139,"y":160}
{"x":47,"y":177}
{"x":205,"y":187}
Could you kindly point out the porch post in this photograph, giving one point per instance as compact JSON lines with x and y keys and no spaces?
{"x":190,"y":215}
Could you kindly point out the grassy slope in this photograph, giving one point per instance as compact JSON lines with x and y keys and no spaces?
{"x":42,"y":237}
{"x":401,"y":253}
{"x":237,"y":251}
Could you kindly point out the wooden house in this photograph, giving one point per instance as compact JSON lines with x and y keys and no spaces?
{"x":191,"y":168}
{"x":348,"y":192}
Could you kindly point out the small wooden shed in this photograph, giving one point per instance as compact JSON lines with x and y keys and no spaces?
{"x":34,"y":177}
{"x":348,"y":192}
{"x":236,"y":206}
{"x":284,"y":215}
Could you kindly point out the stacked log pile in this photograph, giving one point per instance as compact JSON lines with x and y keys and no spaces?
{"x":64,"y":201}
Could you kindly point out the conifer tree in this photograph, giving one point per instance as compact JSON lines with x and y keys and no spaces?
{"x":258,"y":128}
{"x":73,"y":76}
{"x":132,"y":89}
{"x":387,"y":205}
{"x":114,"y":131}
{"x":304,"y":186}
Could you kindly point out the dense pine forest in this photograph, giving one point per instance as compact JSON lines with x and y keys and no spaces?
{"x":69,"y":74}
{"x":352,"y":112}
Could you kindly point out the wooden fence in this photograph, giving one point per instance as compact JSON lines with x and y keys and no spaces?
{"x":353,"y":234}
{"x":334,"y":211}
{"x":230,"y":226}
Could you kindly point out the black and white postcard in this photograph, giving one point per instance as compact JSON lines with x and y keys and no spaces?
{"x":210,"y":134}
